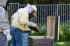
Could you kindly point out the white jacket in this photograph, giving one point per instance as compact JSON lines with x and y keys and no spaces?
{"x":20,"y":19}
{"x":4,"y":23}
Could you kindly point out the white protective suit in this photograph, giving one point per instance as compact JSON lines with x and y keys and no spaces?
{"x":20,"y":19}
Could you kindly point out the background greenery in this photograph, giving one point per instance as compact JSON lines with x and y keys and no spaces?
{"x":66,"y":43}
{"x":65,"y":31}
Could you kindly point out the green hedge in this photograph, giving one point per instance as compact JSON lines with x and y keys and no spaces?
{"x":65,"y":31}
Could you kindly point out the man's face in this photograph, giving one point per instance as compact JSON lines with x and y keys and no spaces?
{"x":34,"y":13}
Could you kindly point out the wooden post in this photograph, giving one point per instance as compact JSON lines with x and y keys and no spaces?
{"x":51,"y":26}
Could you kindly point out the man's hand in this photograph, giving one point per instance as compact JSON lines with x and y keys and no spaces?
{"x":34,"y":25}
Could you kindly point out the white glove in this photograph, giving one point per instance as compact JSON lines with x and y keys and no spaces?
{"x":7,"y":33}
{"x":34,"y":25}
{"x":8,"y":37}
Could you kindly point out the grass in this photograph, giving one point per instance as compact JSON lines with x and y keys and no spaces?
{"x":9,"y":43}
{"x":65,"y":43}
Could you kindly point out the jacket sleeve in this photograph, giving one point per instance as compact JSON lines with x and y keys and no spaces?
{"x":5,"y":21}
{"x":23,"y":19}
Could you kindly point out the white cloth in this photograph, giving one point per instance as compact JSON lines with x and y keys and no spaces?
{"x":22,"y":17}
{"x":34,"y":7}
{"x":7,"y":33}
{"x":25,"y":12}
{"x":28,"y":8}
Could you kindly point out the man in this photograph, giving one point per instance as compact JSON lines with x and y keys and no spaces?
{"x":4,"y":23}
{"x":20,"y":23}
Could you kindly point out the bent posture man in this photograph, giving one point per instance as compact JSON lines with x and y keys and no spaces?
{"x":20,"y":23}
